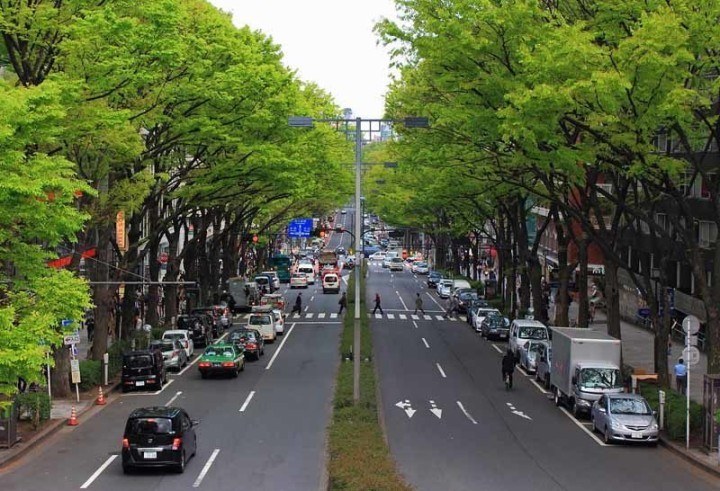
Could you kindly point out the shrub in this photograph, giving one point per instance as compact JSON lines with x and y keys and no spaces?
{"x":36,"y":405}
{"x":90,"y":374}
{"x":157,"y":332}
{"x":675,"y":407}
{"x":115,"y":353}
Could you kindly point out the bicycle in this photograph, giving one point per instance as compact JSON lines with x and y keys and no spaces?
{"x":508,"y":381}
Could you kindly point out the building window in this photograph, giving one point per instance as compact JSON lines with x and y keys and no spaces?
{"x":660,"y":142}
{"x":661,"y":220}
{"x":707,"y":234}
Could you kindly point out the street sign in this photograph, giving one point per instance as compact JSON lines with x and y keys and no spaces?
{"x":691,"y":324}
{"x":75,"y":371}
{"x":300,"y":227}
{"x":71,"y":339}
{"x":691,"y":355}
{"x":66,"y":322}
{"x":693,"y":340}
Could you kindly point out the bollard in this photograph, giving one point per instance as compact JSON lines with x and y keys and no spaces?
{"x":661,"y":400}
{"x":106,"y":363}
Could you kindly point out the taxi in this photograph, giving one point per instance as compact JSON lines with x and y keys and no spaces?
{"x":220,"y":359}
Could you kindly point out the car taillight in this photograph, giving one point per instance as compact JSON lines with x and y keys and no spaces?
{"x":228,"y":364}
{"x":126,"y":443}
{"x":250,"y":345}
{"x":204,"y":364}
{"x":177,"y":443}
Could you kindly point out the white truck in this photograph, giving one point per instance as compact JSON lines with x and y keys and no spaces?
{"x":585,"y":365}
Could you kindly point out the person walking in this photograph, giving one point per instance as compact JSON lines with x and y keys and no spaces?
{"x":90,"y":325}
{"x":680,"y":376}
{"x":419,"y":304}
{"x":343,"y":303}
{"x":377,"y":304}
{"x":298,"y":304}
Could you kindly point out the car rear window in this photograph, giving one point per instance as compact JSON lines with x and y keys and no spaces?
{"x":138,"y":361}
{"x":175,"y":335}
{"x":257,"y":320}
{"x":151,"y":426}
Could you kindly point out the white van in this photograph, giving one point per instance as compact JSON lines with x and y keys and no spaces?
{"x":262,"y":319}
{"x":331,"y":283}
{"x":309,"y":271}
{"x":522,"y":331}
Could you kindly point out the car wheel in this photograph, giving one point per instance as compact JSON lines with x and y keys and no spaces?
{"x":235,"y":372}
{"x":159,"y":384}
{"x":181,"y":466}
{"x":125,"y":389}
{"x":606,"y":436}
{"x":558,"y":400}
{"x":547,"y":381}
{"x":242,"y":366}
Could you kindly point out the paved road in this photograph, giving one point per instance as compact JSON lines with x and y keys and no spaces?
{"x":452,"y":425}
{"x":276,"y":443}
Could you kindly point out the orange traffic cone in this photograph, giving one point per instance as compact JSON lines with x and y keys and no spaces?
{"x":73,"y":421}
{"x":100,"y":401}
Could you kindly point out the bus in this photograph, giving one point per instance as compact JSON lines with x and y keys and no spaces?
{"x":281,"y":263}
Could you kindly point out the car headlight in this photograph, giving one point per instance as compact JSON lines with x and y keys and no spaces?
{"x":616,"y":426}
{"x":654,"y":426}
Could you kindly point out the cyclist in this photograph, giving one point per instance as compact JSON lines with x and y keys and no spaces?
{"x":508,"y":367}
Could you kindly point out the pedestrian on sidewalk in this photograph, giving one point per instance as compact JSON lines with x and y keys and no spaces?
{"x":90,"y":325}
{"x":377,"y":304}
{"x":298,"y":304}
{"x":343,"y":303}
{"x":419,"y":304}
{"x":680,"y":376}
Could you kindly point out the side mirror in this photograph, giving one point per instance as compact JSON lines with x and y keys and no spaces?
{"x":655,"y":414}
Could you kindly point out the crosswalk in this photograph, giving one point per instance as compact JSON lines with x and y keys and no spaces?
{"x":323,"y":316}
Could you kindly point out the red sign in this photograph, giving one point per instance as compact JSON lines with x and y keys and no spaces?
{"x":163,"y":257}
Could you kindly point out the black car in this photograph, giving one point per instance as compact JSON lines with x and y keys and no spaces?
{"x":495,"y":326}
{"x":158,"y":437}
{"x":142,"y":369}
{"x":250,"y":340}
{"x":465,"y":299}
{"x":433,"y":278}
{"x":214,"y":314}
{"x":200,"y":327}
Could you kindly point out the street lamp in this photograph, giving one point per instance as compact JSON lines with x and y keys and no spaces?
{"x":307,"y":122}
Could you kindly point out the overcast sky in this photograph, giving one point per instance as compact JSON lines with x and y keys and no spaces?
{"x":330,"y":42}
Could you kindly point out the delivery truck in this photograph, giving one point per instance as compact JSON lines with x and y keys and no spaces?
{"x":585,"y":365}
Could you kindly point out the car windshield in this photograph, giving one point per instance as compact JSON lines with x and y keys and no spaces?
{"x":138,"y":361}
{"x":600,"y":378}
{"x":151,"y":426}
{"x":533,"y":333}
{"x":629,"y":406}
{"x":175,"y":335}
{"x":228,"y":353}
{"x":257,"y":320}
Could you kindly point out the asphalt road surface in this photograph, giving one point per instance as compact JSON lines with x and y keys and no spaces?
{"x":452,"y":425}
{"x":265,"y":430}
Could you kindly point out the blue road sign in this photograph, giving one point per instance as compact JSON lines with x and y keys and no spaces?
{"x":300,"y":227}
{"x":66,"y":322}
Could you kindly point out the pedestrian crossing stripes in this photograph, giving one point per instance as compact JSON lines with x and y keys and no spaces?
{"x":384,"y":316}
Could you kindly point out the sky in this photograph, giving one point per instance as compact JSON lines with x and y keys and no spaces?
{"x":329,"y":42}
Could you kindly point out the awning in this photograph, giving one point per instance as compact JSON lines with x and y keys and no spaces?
{"x":64,"y":262}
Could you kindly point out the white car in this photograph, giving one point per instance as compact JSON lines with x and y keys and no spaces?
{"x":263,"y":319}
{"x":298,"y":280}
{"x":478,"y":315}
{"x":308,"y":270}
{"x":377,"y":256}
{"x":420,"y":267}
{"x":183,"y":336}
{"x":331,"y":283}
{"x":275,"y":278}
{"x":444,"y":288}
{"x":279,"y":321}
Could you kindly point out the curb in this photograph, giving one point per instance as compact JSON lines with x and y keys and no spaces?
{"x":688,"y":457}
{"x":26,"y":446}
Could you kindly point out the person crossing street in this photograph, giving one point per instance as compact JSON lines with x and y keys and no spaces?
{"x":377,"y":304}
{"x":343,"y":303}
{"x":419,"y":304}
{"x":298,"y":304}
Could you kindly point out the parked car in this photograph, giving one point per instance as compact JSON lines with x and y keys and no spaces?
{"x":250,"y":340}
{"x":298,"y":280}
{"x":529,"y":355}
{"x":478,"y":314}
{"x":276,"y":300}
{"x":433,"y":278}
{"x":215,"y":312}
{"x":201,"y":331}
{"x":222,"y":359}
{"x":158,"y":437}
{"x":494,"y":325}
{"x":142,"y":369}
{"x":474,"y":304}
{"x":183,"y":335}
{"x":624,"y":417}
{"x":465,"y":299}
{"x":264,"y":282}
{"x":173,"y":353}
{"x":331,"y":283}
{"x":522,"y":331}
{"x":420,"y":267}
{"x":274,"y":277}
{"x":543,"y":362}
{"x":377,"y":256}
{"x":444,"y":288}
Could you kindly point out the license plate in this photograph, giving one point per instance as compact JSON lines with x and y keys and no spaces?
{"x":636,"y":435}
{"x":503,"y":335}
{"x":216,"y":364}
{"x":140,"y":383}
{"x":150,"y":455}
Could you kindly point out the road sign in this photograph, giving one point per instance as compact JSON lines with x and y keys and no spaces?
{"x":693,"y":340}
{"x":71,"y":339}
{"x":691,"y":355}
{"x":75,"y":371}
{"x":300,"y":227}
{"x":691,"y":324}
{"x":66,"y":322}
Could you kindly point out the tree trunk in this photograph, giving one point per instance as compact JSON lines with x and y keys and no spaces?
{"x":562,"y":297}
{"x":60,"y":373}
{"x":103,"y":295}
{"x":612,"y":299}
{"x":581,"y":282}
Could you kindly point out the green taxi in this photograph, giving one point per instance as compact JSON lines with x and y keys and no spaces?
{"x":221,"y":359}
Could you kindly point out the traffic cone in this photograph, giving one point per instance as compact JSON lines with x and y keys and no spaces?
{"x":100,"y":401}
{"x":73,"y":421}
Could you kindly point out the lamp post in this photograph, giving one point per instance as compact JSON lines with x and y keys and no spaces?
{"x":307,"y":122}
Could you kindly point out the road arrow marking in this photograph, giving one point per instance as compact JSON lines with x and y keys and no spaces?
{"x":434,"y":409}
{"x":522,"y":415}
{"x":410,"y":411}
{"x":407,"y":407}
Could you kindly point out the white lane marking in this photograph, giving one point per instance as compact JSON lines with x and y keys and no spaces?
{"x":172,"y":399}
{"x":415,"y":324}
{"x":344,"y":278}
{"x":100,"y":470}
{"x":540,"y":388}
{"x":333,"y":316}
{"x":428,"y":317}
{"x":391,"y":316}
{"x":317,"y":323}
{"x":441,"y":370}
{"x":402,"y":316}
{"x":439,"y":317}
{"x":467,"y":414}
{"x":306,"y":308}
{"x":206,"y":468}
{"x":312,"y":298}
{"x":401,"y":300}
{"x":321,"y":315}
{"x":309,"y":315}
{"x":285,"y":338}
{"x":436,"y":302}
{"x":247,"y":401}
{"x":582,"y":427}
{"x":378,"y":316}
{"x":497,"y":348}
{"x":414,"y":317}
{"x":197,"y":358}
{"x":296,"y":316}
{"x":150,"y":393}
{"x":426,"y":343}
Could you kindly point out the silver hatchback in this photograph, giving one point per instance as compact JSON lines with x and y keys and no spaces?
{"x":624,"y":417}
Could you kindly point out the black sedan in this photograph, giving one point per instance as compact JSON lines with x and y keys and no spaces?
{"x":250,"y":340}
{"x":433,"y":278}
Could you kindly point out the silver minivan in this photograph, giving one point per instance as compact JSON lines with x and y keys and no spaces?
{"x":522,"y":331}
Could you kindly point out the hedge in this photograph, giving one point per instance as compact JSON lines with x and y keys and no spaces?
{"x":675,"y":408}
{"x":35,"y":404}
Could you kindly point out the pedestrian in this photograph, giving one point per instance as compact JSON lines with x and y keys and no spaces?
{"x":377,"y":304}
{"x":680,"y":376}
{"x":343,"y":303}
{"x":419,"y":304}
{"x":90,"y":325}
{"x":591,"y":313}
{"x":298,"y":304}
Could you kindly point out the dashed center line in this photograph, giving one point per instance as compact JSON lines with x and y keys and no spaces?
{"x":206,"y":468}
{"x":497,"y":348}
{"x":426,"y":343}
{"x":285,"y":338}
{"x":442,"y":372}
{"x":100,"y":470}
{"x":172,"y":399}
{"x":401,"y":300}
{"x":247,"y":401}
{"x":467,"y":414}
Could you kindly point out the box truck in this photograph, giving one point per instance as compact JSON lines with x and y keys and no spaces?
{"x":585,"y":365}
